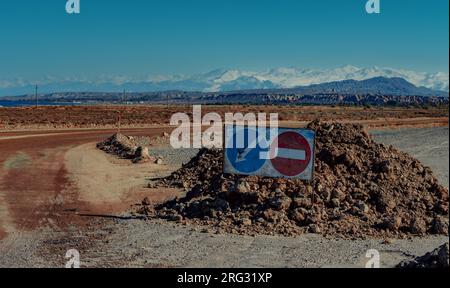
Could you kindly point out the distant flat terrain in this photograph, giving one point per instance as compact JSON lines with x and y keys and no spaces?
{"x":135,"y":116}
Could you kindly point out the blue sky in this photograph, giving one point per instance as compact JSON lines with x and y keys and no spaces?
{"x":161,"y":37}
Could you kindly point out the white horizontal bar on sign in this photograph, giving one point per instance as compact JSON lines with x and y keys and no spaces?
{"x":291,"y":154}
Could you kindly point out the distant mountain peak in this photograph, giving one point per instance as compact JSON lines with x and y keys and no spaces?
{"x":380,"y":85}
{"x":227,"y":79}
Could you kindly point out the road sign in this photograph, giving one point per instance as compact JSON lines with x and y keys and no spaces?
{"x":288,"y":153}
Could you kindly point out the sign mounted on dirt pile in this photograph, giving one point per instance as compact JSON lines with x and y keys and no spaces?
{"x":281,"y":153}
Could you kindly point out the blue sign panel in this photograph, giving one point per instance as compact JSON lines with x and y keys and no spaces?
{"x":244,"y":152}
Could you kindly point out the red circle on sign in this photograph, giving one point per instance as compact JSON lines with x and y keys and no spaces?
{"x":294,"y":154}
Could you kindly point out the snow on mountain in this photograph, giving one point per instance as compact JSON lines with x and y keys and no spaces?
{"x":223,"y":80}
{"x":226,"y":80}
{"x":291,"y":77}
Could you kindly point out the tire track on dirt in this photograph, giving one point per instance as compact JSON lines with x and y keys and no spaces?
{"x":35,"y":189}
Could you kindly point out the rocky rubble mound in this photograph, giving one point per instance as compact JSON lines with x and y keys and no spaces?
{"x":439,"y":258}
{"x":361,"y":189}
{"x":127,"y":147}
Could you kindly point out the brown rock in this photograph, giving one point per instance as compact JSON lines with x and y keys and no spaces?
{"x":146,"y":201}
{"x":281,"y":203}
{"x":314,"y":228}
{"x":335,"y":202}
{"x":302,"y":202}
{"x":392,"y":223}
{"x":440,"y":226}
{"x":418,"y":226}
{"x":243,"y":186}
{"x":298,"y":216}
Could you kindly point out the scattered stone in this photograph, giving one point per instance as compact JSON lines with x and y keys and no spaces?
{"x":142,"y":155}
{"x":243,"y":186}
{"x":246,"y":222}
{"x":127,"y":147}
{"x":314,"y":229}
{"x":362,"y":207}
{"x":281,"y":203}
{"x":392,"y":223}
{"x":146,"y":201}
{"x":335,"y":202}
{"x":120,"y":145}
{"x":418,"y":226}
{"x":142,"y":152}
{"x":145,"y":208}
{"x":440,"y":225}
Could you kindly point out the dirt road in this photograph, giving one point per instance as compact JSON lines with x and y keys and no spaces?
{"x":34,"y":185}
{"x":48,"y":200}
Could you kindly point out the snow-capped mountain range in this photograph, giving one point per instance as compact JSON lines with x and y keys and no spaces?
{"x":225,"y":80}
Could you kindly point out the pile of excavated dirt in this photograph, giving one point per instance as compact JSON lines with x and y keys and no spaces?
{"x":439,"y":258}
{"x":127,"y":147}
{"x":361,"y":189}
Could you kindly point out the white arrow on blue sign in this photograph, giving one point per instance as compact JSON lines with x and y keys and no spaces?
{"x":288,"y":153}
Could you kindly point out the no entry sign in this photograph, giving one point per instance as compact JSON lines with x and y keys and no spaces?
{"x":288,"y":153}
{"x":294,"y":154}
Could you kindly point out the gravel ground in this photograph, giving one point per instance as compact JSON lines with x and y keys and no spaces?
{"x":183,"y":247}
{"x":172,"y":156}
{"x":136,"y":243}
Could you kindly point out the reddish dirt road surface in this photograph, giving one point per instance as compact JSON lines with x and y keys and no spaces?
{"x":34,"y":188}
